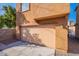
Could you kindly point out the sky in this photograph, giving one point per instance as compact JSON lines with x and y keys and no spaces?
{"x":6,"y":4}
{"x":71,"y":17}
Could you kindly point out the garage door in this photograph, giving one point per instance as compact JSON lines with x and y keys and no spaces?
{"x":43,"y":35}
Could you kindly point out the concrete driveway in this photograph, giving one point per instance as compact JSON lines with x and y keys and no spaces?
{"x":21,"y":48}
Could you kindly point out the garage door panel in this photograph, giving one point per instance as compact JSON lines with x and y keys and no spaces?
{"x":44,"y":36}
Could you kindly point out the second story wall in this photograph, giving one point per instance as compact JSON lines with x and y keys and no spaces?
{"x":49,"y":9}
{"x":44,"y":11}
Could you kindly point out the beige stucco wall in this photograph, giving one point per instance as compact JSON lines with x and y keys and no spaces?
{"x":43,"y":35}
{"x":61,"y":39}
{"x":54,"y":21}
{"x":42,"y":11}
{"x":47,"y":8}
{"x":50,"y":36}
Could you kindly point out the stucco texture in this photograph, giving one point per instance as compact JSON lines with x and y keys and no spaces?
{"x":43,"y":35}
{"x":44,"y":24}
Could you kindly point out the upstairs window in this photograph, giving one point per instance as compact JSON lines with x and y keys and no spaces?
{"x":25,"y":7}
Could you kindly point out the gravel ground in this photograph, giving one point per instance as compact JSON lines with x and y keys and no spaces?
{"x":20,"y":48}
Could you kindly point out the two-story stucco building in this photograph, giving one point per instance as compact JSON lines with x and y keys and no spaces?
{"x":44,"y":24}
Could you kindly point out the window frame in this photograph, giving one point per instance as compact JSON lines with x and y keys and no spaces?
{"x":26,"y":10}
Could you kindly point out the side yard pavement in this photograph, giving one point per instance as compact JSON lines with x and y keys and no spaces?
{"x":21,"y":48}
